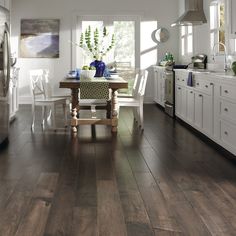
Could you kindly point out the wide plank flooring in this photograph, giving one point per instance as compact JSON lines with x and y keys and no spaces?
{"x":164,"y":181}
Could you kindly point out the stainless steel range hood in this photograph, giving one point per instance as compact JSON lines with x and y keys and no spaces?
{"x":193,"y":15}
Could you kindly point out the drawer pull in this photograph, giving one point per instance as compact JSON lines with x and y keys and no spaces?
{"x":226,"y":133}
{"x":226,"y":91}
{"x":226,"y":109}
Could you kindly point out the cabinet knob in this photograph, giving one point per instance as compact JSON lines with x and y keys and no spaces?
{"x":183,"y":80}
{"x":226,"y":133}
{"x":226,"y":109}
{"x":200,"y":95}
{"x":191,"y":91}
{"x":206,"y":86}
{"x":226,"y":91}
{"x":179,"y":88}
{"x":177,"y":78}
{"x":197,"y":83}
{"x":211,"y":84}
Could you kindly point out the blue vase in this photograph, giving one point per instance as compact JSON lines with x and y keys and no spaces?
{"x":100,"y":67}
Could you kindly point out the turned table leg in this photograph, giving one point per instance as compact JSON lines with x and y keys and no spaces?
{"x":74,"y":109}
{"x":114,"y":112}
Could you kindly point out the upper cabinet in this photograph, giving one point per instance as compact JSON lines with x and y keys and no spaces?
{"x":5,"y":3}
{"x":2,"y":3}
{"x":233,"y":18}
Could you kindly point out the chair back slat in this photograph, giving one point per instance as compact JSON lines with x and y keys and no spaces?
{"x":143,"y":83}
{"x":36,"y":82}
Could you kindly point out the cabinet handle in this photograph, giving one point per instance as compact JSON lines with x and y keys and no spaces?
{"x":226,"y":109}
{"x":191,"y":91}
{"x":183,"y":80}
{"x":177,"y":78}
{"x":197,"y":83}
{"x":226,"y":91}
{"x":206,"y":86}
{"x":179,"y":88}
{"x":200,"y":95}
{"x":226,"y":133}
{"x":211,"y":84}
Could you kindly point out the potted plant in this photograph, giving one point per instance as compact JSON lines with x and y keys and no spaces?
{"x":97,"y":44}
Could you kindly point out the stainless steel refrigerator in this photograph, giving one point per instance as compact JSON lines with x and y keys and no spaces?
{"x":4,"y":73}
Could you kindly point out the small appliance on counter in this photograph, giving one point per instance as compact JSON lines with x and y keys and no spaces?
{"x":199,"y":61}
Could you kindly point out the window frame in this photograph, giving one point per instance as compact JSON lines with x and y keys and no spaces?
{"x":216,"y":31}
{"x":107,"y":19}
{"x":184,"y":40}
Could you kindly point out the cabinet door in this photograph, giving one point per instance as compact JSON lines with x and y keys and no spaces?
{"x":203,"y":113}
{"x":178,"y":100}
{"x":190,"y":106}
{"x":156,"y":86}
{"x":2,"y":3}
{"x":198,"y":110}
{"x":162,"y":89}
{"x":183,"y":102}
{"x":207,"y":116}
{"x":233,"y":18}
{"x":8,"y":4}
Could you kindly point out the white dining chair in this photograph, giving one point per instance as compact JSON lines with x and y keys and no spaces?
{"x":135,"y":86}
{"x":42,"y":99}
{"x":136,"y":101}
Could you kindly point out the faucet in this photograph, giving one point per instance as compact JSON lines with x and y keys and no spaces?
{"x":225,"y":54}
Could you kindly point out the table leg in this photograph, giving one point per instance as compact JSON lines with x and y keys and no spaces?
{"x":114,"y":106}
{"x":74,"y":109}
{"x":109,"y":109}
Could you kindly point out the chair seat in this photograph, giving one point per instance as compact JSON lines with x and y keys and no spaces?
{"x":50,"y":100}
{"x":131,"y":101}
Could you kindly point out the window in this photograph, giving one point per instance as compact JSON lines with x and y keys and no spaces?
{"x":186,"y":40}
{"x":124,"y":49}
{"x":217,"y":24}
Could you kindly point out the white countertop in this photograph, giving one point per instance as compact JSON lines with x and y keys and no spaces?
{"x":219,"y":74}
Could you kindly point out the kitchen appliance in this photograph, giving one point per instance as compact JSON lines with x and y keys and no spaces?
{"x":193,"y":15}
{"x":169,"y":92}
{"x":199,"y":61}
{"x":4,"y":73}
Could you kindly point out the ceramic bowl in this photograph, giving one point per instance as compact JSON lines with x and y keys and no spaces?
{"x":87,"y":74}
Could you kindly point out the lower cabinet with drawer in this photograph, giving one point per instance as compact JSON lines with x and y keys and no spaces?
{"x":209,"y":107}
{"x":228,"y":136}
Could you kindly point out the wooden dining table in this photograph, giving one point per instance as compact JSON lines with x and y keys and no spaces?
{"x":74,"y":85}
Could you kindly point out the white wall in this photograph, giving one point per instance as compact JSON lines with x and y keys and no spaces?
{"x":165,"y":11}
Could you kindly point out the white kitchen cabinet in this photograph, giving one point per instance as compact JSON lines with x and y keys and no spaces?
{"x":195,"y":104}
{"x":190,"y":105}
{"x":5,"y":3}
{"x":233,"y":18}
{"x":210,"y":106}
{"x":181,"y":101}
{"x":159,"y":85}
{"x":2,"y":3}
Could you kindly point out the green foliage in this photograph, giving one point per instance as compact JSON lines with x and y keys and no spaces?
{"x":95,"y":43}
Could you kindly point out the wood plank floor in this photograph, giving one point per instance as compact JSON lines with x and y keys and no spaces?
{"x":164,"y":181}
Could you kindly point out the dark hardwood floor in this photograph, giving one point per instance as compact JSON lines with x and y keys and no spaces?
{"x":164,"y":181}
